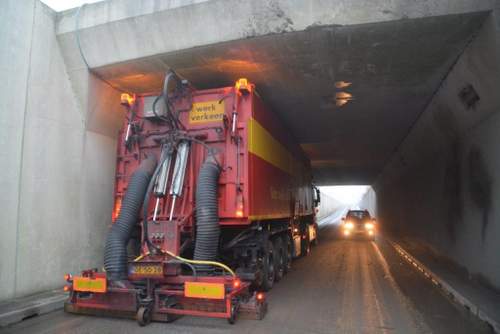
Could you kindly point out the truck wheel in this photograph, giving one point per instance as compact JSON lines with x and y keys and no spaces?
{"x":279,"y":259}
{"x":287,"y":244}
{"x":268,"y":267}
{"x":143,"y":316}
{"x":315,"y":241}
{"x":305,"y":247}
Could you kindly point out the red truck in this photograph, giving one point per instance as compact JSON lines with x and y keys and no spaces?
{"x":213,"y":200}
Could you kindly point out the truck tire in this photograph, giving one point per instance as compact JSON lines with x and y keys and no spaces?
{"x":279,"y":259}
{"x":144,"y":315}
{"x":305,"y":246}
{"x":315,"y":241}
{"x":287,"y":244}
{"x":267,"y":267}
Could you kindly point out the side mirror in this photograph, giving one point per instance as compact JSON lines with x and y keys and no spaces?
{"x":343,"y":219}
{"x":317,"y":196}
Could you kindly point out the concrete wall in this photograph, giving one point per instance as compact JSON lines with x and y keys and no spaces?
{"x":369,"y":201}
{"x":442,"y":185}
{"x":328,"y":206}
{"x":15,"y":20}
{"x":113,"y":31}
{"x":57,"y":154}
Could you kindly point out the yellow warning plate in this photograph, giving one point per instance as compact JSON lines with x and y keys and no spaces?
{"x":204,"y":290}
{"x":86,"y":284}
{"x":206,"y":112}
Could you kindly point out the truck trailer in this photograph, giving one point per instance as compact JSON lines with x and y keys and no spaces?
{"x":213,"y":200}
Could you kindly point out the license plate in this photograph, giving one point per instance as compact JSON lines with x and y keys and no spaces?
{"x":147,"y":269}
{"x":204,"y":290}
{"x":86,"y":284}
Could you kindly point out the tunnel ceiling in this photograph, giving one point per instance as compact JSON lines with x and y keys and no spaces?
{"x":394,"y":69}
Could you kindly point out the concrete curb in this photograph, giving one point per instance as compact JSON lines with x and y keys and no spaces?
{"x":447,"y":288}
{"x":19,"y":309}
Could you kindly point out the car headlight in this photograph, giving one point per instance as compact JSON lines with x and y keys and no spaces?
{"x":369,"y":226}
{"x":349,"y":226}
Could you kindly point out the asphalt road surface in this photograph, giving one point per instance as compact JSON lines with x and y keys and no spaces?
{"x":344,"y":286}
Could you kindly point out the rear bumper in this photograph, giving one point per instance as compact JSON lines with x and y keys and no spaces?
{"x":168,"y":301}
{"x":358,"y":233}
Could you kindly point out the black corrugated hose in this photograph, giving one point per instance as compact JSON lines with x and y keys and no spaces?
{"x":207,"y":213}
{"x":115,"y":253}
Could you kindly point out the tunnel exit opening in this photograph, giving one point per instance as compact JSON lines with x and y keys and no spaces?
{"x":338,"y":199}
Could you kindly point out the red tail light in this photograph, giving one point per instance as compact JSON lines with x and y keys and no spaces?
{"x":239,"y":206}
{"x":117,"y":208}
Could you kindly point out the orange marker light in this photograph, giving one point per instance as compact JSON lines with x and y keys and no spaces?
{"x":127,"y":99}
{"x":236,"y":283}
{"x":66,"y":288}
{"x":260,"y":296}
{"x":239,"y":206}
{"x":117,"y":208}
{"x":243,"y":85}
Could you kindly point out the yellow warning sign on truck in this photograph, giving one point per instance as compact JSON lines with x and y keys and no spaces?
{"x":86,"y":284}
{"x":204,"y":290}
{"x":205,"y":112}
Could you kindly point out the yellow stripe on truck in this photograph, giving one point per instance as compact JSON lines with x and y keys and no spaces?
{"x":262,"y":144}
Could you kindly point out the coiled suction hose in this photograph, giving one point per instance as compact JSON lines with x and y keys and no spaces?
{"x":207,"y":213}
{"x":115,"y":253}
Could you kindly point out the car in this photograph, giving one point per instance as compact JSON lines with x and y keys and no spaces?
{"x":358,"y":223}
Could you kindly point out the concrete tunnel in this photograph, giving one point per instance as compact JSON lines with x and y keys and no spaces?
{"x":399,"y":95}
